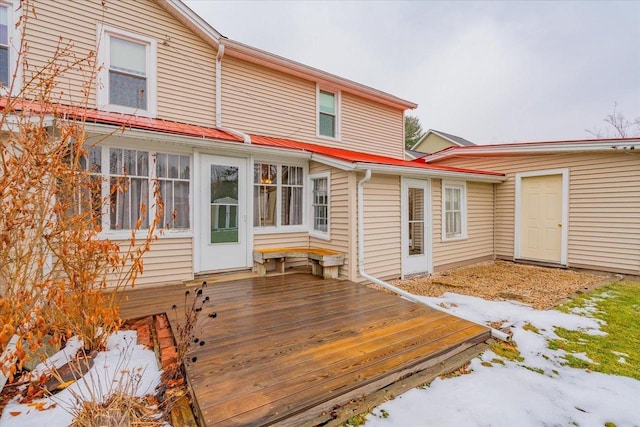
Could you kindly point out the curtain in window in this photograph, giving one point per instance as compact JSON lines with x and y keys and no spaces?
{"x":127,"y":73}
{"x":292,"y":187}
{"x":453,"y":211}
{"x":320,"y":205}
{"x":128,"y":195}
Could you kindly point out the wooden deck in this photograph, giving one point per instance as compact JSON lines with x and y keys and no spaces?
{"x":289,"y":349}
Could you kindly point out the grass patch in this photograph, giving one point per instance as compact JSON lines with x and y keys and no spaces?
{"x":616,"y":353}
{"x":507,"y":350}
{"x":530,"y":327}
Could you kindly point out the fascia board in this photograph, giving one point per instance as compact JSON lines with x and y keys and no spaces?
{"x":611,"y":145}
{"x":429,"y":173}
{"x":192,"y":20}
{"x":331,"y":161}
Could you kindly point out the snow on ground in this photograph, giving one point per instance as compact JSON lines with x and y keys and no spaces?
{"x":514,"y":394}
{"x":123,"y":362}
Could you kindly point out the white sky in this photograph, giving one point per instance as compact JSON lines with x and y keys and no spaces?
{"x":487,"y":71}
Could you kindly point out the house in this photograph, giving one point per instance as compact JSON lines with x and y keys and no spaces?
{"x":435,"y":140}
{"x":567,"y":203}
{"x":251,"y":150}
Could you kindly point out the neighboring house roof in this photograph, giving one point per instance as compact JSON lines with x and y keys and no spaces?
{"x":191,"y":20}
{"x":337,"y":157}
{"x":578,"y":145}
{"x":414,"y":154}
{"x":456,"y":140}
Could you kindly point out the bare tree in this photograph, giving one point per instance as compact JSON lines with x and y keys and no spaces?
{"x":619,"y":124}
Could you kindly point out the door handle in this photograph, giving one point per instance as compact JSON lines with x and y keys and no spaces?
{"x":559,"y":225}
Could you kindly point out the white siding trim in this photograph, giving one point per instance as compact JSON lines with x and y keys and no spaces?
{"x":102,"y":88}
{"x":463,"y":209}
{"x":312,"y":232}
{"x":565,"y":210}
{"x":338,"y":101}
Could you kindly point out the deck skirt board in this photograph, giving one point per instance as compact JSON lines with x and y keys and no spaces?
{"x":282,"y":346}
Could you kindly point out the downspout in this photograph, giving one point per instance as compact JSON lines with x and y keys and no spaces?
{"x":367,"y":176}
{"x":245,"y":138}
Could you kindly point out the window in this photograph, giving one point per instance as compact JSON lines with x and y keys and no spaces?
{"x":320,"y":204}
{"x":4,"y":46}
{"x":9,"y":39}
{"x":124,"y":178}
{"x":129,"y":189}
{"x":172,"y":171}
{"x":328,"y":114}
{"x":127,"y":81}
{"x":454,"y":216}
{"x":277,"y":195}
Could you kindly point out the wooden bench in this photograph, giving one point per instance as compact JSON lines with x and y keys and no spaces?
{"x":324,"y":262}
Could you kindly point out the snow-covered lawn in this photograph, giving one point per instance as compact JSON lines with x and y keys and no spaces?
{"x":539,"y":391}
{"x":124,"y":364}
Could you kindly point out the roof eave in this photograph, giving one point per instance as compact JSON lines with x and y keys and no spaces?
{"x":537,"y":148}
{"x":429,"y":173}
{"x":192,"y":20}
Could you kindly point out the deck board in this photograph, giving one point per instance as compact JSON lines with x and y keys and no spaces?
{"x":283,"y":345}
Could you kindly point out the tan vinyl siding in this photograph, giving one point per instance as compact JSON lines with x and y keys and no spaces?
{"x":479,"y":241}
{"x":185,"y":63}
{"x":382,"y":226}
{"x":341,"y":204}
{"x":433,"y":143}
{"x":371,"y":127}
{"x":259,"y":100}
{"x":170,"y":260}
{"x":604,"y":205}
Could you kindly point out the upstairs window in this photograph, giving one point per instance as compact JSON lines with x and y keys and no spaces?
{"x":10,"y":38}
{"x":127,"y":74}
{"x":328,"y":114}
{"x":127,"y":80}
{"x":4,"y":46}
{"x":454,"y":215}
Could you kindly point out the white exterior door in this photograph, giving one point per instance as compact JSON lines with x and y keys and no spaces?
{"x":223,"y":213}
{"x":541,"y":218}
{"x":416,"y":229}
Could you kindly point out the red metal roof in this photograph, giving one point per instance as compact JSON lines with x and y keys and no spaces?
{"x":171,"y":127}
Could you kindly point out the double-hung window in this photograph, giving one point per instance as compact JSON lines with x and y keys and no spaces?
{"x":10,"y":38}
{"x":127,"y":81}
{"x":454,"y":206}
{"x":129,"y":188}
{"x":328,"y":114}
{"x":277,"y":195}
{"x":126,"y":179}
{"x":173,"y":173}
{"x":5,"y":70}
{"x":320,"y":204}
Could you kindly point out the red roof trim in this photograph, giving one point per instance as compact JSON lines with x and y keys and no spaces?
{"x":165,"y":126}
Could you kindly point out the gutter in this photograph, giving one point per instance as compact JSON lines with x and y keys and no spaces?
{"x":245,"y":138}
{"x":367,"y":176}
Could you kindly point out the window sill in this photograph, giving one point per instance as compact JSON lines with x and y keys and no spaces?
{"x":128,"y":110}
{"x":280,"y":230}
{"x":454,"y":239}
{"x":142,"y":234}
{"x":320,"y":235}
{"x":329,"y":138}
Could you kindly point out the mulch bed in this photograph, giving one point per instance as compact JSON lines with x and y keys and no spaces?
{"x":540,"y":287}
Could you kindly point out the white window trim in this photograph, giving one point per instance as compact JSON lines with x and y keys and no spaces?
{"x":462,"y":185}
{"x":304,"y":227}
{"x":338,"y":100}
{"x":313,"y":232}
{"x":102,"y":90}
{"x":107,"y":233}
{"x":14,"y":39}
